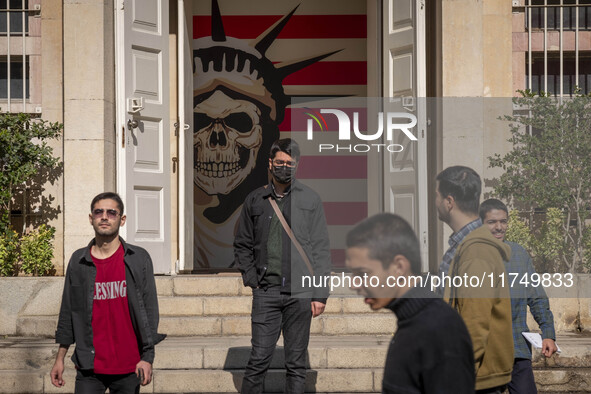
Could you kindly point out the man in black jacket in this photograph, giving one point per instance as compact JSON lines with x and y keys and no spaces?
{"x":272,"y":265}
{"x":109,"y":308}
{"x":431,"y":351}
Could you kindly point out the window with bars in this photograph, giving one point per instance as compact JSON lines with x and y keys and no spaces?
{"x":558,"y":54}
{"x":570,"y":81}
{"x":17,"y":75}
{"x":13,"y":15}
{"x":569,"y":14}
{"x":20,"y":56}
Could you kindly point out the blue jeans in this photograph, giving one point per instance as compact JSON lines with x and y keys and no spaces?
{"x":273,"y":313}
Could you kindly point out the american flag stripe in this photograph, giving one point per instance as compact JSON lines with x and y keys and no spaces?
{"x":299,"y":26}
{"x":345,"y":213}
{"x":274,"y":7}
{"x":329,"y":147}
{"x":330,"y":73}
{"x":335,"y":167}
{"x":325,"y":90}
{"x":296,"y":119}
{"x":341,"y":190}
{"x":353,"y":49}
{"x":337,"y":256}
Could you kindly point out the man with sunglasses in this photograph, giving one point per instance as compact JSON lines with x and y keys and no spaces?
{"x":109,"y":308}
{"x":274,"y":265}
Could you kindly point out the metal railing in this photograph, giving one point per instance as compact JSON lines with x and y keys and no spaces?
{"x":531,"y":6}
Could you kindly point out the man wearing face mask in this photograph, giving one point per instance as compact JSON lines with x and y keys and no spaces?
{"x":273,"y":263}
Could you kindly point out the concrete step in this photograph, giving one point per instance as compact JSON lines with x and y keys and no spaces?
{"x":241,"y":305}
{"x":228,"y":284}
{"x":229,"y":381}
{"x":230,"y":315}
{"x":207,"y":381}
{"x":210,"y":353}
{"x":337,"y":364}
{"x":369,"y":324}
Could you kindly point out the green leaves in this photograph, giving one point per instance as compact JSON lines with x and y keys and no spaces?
{"x":25,"y":158}
{"x":24,"y":152}
{"x":37,"y":251}
{"x":32,"y":253}
{"x":9,"y":253}
{"x":550,"y":167}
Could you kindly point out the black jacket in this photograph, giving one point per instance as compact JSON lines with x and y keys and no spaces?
{"x":431,"y":351}
{"x":75,"y":318}
{"x":304,"y":213}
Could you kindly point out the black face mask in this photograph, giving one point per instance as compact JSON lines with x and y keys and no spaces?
{"x":283,"y":174}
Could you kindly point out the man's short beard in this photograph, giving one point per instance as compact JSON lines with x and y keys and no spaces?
{"x":109,"y":233}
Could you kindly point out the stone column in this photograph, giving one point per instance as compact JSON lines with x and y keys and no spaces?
{"x":477,"y":84}
{"x":52,"y":87}
{"x":89,"y":113}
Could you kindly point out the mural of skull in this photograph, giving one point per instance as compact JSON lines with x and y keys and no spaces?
{"x":238,"y":104}
{"x":226,"y":142}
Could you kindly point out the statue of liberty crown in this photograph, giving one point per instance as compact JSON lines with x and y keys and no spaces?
{"x":233,"y":65}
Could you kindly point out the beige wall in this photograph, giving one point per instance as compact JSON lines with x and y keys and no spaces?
{"x":52,"y":106}
{"x":477,"y":83}
{"x":89,"y":113}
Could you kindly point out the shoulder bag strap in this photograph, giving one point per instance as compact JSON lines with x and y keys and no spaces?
{"x":291,"y":234}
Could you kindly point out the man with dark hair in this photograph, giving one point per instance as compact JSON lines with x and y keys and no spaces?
{"x":495,"y":216}
{"x":431,"y":351}
{"x":475,"y":253}
{"x":109,"y":308}
{"x":281,"y":238}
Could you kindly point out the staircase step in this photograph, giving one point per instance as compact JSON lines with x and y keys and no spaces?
{"x":576,"y":380}
{"x":211,"y":353}
{"x":241,"y":305}
{"x":215,"y":364}
{"x":229,"y":284}
{"x":212,"y":381}
{"x":566,"y":380}
{"x":371,"y":324}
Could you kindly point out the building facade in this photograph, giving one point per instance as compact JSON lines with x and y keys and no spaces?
{"x":128,"y":79}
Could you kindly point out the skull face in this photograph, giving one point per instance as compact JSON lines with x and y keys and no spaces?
{"x":226,"y":142}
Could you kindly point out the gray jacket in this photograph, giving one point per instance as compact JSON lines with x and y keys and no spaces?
{"x":75,"y":318}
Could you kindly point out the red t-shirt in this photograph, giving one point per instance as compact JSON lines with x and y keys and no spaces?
{"x":115,"y":344}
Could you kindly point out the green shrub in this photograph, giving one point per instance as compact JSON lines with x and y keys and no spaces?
{"x":550,"y":244}
{"x":37,"y":251}
{"x":9,"y":255}
{"x":518,"y":231}
{"x":548,"y":167}
{"x":545,"y":243}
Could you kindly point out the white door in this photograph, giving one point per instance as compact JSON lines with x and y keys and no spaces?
{"x":144,"y":91}
{"x":405,"y":173}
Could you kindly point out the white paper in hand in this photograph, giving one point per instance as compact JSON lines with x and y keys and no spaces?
{"x":536,"y":340}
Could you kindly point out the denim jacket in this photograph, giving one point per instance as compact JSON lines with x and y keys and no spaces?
{"x":75,"y":318}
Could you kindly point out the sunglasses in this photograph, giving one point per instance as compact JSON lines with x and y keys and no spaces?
{"x":111,"y":213}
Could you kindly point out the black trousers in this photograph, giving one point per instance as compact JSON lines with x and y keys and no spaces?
{"x":87,"y":382}
{"x":273,"y":313}
{"x":522,"y":378}
{"x":493,"y":390}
